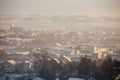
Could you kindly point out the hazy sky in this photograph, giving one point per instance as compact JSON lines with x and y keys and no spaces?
{"x":60,"y":7}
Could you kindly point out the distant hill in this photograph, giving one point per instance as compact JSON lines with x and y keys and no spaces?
{"x":53,"y":23}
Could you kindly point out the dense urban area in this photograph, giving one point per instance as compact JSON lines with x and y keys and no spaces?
{"x":32,"y":48}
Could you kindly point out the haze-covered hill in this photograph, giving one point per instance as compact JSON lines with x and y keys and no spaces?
{"x":62,"y":22}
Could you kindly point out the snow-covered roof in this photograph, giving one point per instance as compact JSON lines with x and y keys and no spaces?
{"x":38,"y":78}
{"x":75,"y":79}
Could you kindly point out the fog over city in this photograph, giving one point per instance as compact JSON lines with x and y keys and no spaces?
{"x":59,"y":39}
{"x":62,"y":13}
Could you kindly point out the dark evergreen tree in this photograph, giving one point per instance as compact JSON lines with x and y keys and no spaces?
{"x":86,"y":67}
